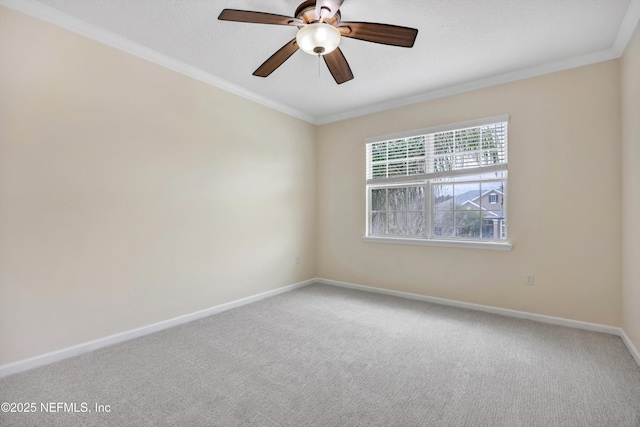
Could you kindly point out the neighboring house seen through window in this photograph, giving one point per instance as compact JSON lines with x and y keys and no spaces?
{"x":444,"y":183}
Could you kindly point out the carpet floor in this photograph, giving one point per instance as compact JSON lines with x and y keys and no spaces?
{"x":327,"y":356}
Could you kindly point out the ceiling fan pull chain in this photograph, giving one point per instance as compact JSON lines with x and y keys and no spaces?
{"x":319,"y":65}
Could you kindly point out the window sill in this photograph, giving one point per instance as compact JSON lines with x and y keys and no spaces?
{"x":498,"y":246}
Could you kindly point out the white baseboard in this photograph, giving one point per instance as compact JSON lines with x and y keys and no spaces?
{"x":478,"y":307}
{"x":596,"y":327}
{"x":65,"y":353}
{"x":632,"y":348}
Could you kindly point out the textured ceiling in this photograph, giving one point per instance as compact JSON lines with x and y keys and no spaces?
{"x":460,"y":43}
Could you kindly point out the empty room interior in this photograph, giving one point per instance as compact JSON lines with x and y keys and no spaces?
{"x":432,"y":221}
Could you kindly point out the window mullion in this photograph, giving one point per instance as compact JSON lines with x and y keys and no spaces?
{"x":387,"y":211}
{"x":428,"y":186}
{"x":367,"y":227}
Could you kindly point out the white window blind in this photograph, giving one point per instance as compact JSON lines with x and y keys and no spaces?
{"x":439,"y":153}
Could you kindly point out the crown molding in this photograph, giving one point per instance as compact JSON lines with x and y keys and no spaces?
{"x":512,"y":76}
{"x":627,"y":27}
{"x":48,"y":14}
{"x":83,"y":28}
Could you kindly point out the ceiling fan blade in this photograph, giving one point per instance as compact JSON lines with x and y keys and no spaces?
{"x":393,"y":35}
{"x":277,"y":59}
{"x":338,"y":66}
{"x":327,"y":8}
{"x":258,"y":17}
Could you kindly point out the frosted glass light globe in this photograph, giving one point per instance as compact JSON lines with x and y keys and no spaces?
{"x":318,"y":39}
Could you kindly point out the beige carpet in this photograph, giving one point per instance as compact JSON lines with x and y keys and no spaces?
{"x":326,"y":356}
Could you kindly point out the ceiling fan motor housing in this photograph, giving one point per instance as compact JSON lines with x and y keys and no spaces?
{"x":307,"y":12}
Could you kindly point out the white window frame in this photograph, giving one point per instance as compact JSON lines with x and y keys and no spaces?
{"x":408,"y":181}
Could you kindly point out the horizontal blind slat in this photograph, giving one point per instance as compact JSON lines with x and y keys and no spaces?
{"x":433,"y":155}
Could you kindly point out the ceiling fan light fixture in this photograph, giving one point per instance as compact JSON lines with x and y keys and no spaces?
{"x":318,"y":38}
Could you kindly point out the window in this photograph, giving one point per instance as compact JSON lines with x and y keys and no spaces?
{"x":440,"y":184}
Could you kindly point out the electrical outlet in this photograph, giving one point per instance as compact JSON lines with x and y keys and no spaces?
{"x":528,"y":279}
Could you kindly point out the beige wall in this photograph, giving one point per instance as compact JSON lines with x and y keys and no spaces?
{"x":564,"y":201}
{"x":130,"y":194}
{"x":630,"y":86}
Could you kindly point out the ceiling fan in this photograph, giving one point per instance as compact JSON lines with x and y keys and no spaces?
{"x":319,"y":33}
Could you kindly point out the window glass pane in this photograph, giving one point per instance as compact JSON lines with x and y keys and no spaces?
{"x":415,"y":224}
{"x":443,"y":197}
{"x":415,"y":198}
{"x":493,"y":225}
{"x":379,"y":199}
{"x":443,"y":224}
{"x":467,"y":224}
{"x":397,"y":223}
{"x":467,"y":196}
{"x":492,"y":195}
{"x":378,"y":223}
{"x":397,"y":199}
